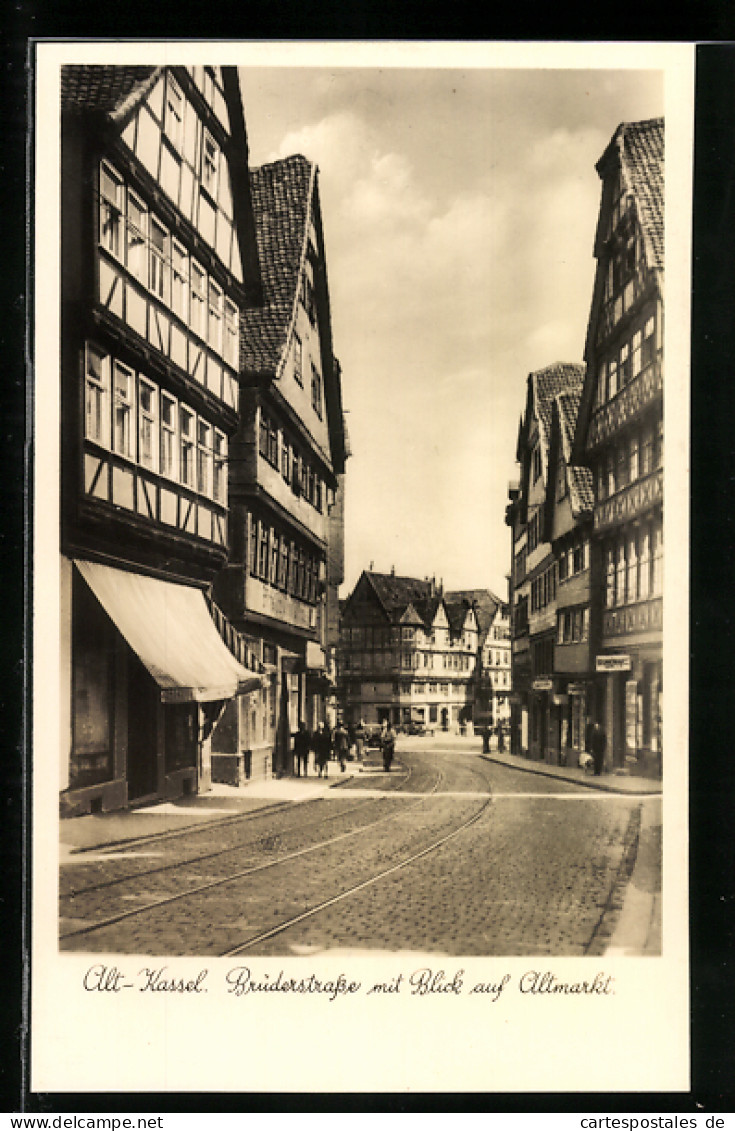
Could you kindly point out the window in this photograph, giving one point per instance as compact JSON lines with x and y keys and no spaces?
{"x":262,"y":551}
{"x":646,"y":453}
{"x":624,"y":364}
{"x":637,"y":353}
{"x":609,"y":575}
{"x":186,"y":446}
{"x":658,"y":444}
{"x":274,"y":557}
{"x":136,"y":238}
{"x":316,"y":391}
{"x":147,"y":424}
{"x":620,"y":574}
{"x":168,"y":436}
{"x":210,"y":165}
{"x":204,"y":457}
{"x":612,"y":377}
{"x":561,"y":481}
{"x":644,"y":566}
{"x":649,"y":341}
{"x":198,"y":302}
{"x":232,"y":337}
{"x":283,"y":565}
{"x":123,"y":410}
{"x":623,"y":466}
{"x":158,"y":260}
{"x":536,"y":463}
{"x":111,"y":203}
{"x":658,"y":560}
{"x":219,"y":474}
{"x":634,"y":461}
{"x":298,"y":359}
{"x":214,"y":336}
{"x":610,"y":464}
{"x":285,"y":458}
{"x":174,"y":113}
{"x":97,"y":397}
{"x":179,"y":281}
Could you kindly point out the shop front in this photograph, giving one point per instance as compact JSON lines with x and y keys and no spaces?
{"x":631,"y":684}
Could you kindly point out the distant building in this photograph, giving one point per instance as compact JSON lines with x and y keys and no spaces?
{"x":158,"y":259}
{"x":408,"y":652}
{"x":287,"y":465}
{"x":491,"y":683}
{"x":619,"y":436}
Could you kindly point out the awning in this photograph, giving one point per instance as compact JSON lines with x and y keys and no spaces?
{"x":169,"y":627}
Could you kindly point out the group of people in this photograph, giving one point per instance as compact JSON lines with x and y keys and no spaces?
{"x":325,"y":743}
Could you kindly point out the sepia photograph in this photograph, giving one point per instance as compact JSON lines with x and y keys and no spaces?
{"x":354,"y":526}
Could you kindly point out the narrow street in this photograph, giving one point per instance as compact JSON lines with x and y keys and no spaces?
{"x":450,"y":853}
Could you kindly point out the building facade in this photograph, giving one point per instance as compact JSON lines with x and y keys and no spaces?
{"x":619,"y":436}
{"x":158,"y":258}
{"x":536,"y":706}
{"x":287,"y":465}
{"x":567,"y":526}
{"x":407,"y":653}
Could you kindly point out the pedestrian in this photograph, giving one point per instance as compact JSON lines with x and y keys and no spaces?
{"x":359,"y":736}
{"x":341,"y":744}
{"x":500,"y":736}
{"x":322,"y":749}
{"x":301,"y":747}
{"x":598,"y":741}
{"x":387,"y":745}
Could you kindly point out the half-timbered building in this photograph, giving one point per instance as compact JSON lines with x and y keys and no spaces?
{"x":159,"y":258}
{"x":286,"y":475}
{"x":619,"y":436}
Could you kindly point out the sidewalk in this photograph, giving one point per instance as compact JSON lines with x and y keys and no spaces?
{"x":609,"y":782}
{"x":221,"y":803}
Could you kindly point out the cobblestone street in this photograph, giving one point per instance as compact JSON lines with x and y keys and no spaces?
{"x":449,"y":854}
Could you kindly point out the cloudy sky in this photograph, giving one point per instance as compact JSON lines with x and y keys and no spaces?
{"x":459,"y":211}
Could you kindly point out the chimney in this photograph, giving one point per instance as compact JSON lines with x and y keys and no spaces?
{"x":393,"y":571}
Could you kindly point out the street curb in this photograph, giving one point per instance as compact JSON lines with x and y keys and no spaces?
{"x":600,"y":786}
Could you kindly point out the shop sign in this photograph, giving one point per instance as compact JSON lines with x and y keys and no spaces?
{"x":612,"y":663}
{"x":576,"y":689}
{"x":542,"y":685}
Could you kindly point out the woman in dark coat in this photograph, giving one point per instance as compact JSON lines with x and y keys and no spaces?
{"x":322,"y":749}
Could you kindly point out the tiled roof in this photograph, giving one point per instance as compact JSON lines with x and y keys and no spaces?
{"x":547,"y":383}
{"x":281,"y":194}
{"x":456,"y":613}
{"x":581,"y":483}
{"x":486,"y":605}
{"x":102,"y":88}
{"x":396,"y":593}
{"x":641,"y":147}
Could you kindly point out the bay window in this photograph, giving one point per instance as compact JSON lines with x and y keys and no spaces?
{"x":204,"y":457}
{"x":123,"y":410}
{"x":168,"y":437}
{"x":97,"y":396}
{"x":219,"y":481}
{"x":147,"y":424}
{"x":186,"y":446}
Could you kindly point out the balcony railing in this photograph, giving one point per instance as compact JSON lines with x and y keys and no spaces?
{"x":634,"y":500}
{"x":644,"y":616}
{"x":628,"y":404}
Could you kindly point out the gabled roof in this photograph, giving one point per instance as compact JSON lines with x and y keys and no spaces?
{"x":485,"y":604}
{"x":106,"y":89}
{"x":637,"y":148}
{"x":282,"y":204}
{"x":636,"y":151}
{"x":543,"y":385}
{"x":565,"y":410}
{"x":396,"y":593}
